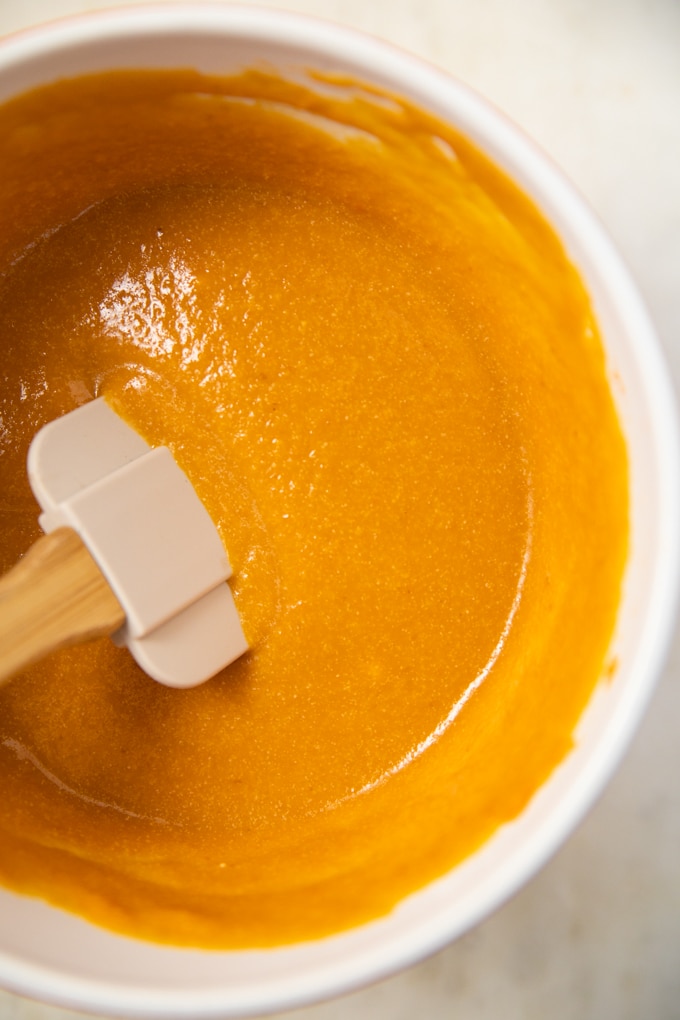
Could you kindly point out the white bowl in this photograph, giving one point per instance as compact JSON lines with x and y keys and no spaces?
{"x":50,"y":955}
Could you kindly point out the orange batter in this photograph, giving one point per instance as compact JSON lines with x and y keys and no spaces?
{"x":371,"y":356}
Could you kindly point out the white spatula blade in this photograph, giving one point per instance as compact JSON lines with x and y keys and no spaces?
{"x":151,"y":537}
{"x":76,"y":450}
{"x":200,"y":641}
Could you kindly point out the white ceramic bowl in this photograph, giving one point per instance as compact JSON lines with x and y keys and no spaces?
{"x":50,"y":955}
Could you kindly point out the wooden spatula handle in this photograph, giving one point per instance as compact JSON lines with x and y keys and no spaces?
{"x":55,"y":596}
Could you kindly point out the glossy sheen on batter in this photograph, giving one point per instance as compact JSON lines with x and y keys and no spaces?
{"x":372,"y":358}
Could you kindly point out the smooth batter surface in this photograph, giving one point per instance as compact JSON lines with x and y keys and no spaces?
{"x":373,"y":360}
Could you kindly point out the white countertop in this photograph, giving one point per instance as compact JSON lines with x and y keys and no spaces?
{"x":596,"y":936}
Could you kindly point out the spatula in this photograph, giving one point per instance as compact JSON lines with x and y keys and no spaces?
{"x":129,"y":551}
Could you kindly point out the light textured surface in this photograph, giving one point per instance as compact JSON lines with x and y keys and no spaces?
{"x":596,"y":936}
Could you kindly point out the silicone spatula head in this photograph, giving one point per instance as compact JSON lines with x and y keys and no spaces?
{"x":149,"y":534}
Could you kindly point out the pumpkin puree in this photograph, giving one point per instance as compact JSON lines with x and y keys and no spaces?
{"x":372,"y":357}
